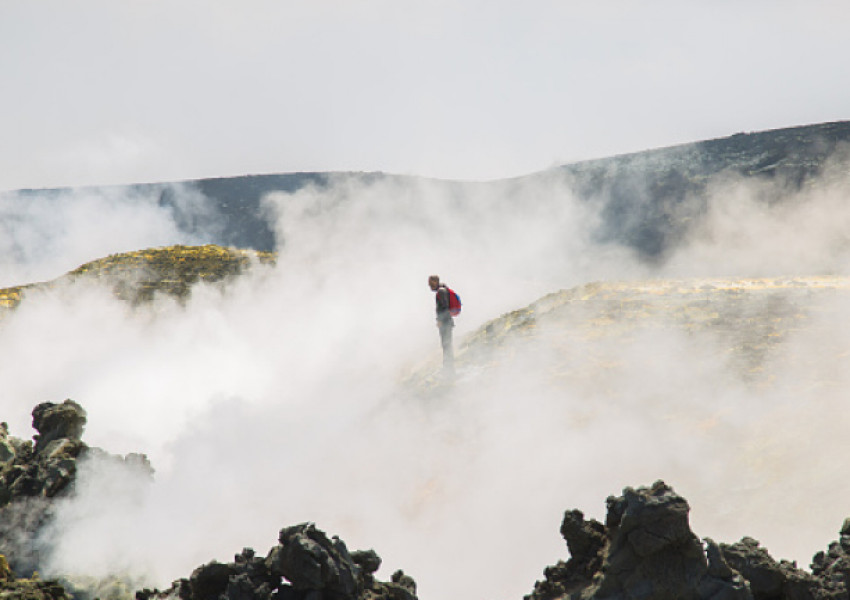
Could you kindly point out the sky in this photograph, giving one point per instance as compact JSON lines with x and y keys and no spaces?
{"x":103,"y":92}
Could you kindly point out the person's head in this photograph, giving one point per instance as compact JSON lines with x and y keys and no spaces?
{"x":434,"y":282}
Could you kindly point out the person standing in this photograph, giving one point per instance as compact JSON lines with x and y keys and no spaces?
{"x":445,"y":323}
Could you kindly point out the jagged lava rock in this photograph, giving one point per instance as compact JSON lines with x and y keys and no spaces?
{"x":56,"y":422}
{"x":48,"y":467}
{"x":315,"y":566}
{"x":33,"y":474}
{"x":645,"y":550}
{"x":768,"y":578}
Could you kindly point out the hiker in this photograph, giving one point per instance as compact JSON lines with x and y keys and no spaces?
{"x":445,"y":323}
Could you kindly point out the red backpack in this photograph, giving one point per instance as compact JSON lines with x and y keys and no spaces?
{"x":454,"y":302}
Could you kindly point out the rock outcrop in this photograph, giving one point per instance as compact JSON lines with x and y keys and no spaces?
{"x":33,"y":473}
{"x":138,"y":277}
{"x":646,"y":550}
{"x":30,"y":476}
{"x":306,"y":565}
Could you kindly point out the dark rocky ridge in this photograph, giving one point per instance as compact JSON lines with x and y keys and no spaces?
{"x":649,"y":200}
{"x":646,"y":549}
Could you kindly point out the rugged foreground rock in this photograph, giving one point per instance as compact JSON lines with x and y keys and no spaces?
{"x":33,"y":474}
{"x":306,"y":565}
{"x":646,"y":549}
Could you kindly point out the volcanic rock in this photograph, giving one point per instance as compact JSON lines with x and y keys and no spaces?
{"x":832,"y":569}
{"x":306,"y":565}
{"x":46,"y":469}
{"x":32,"y":475}
{"x":768,"y":578}
{"x":311,"y":561}
{"x":55,"y":422}
{"x":646,"y":549}
{"x":367,"y":560}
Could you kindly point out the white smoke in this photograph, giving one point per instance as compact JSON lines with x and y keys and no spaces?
{"x":45,"y":234}
{"x":283,"y":398}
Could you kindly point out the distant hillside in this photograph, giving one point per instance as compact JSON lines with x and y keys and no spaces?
{"x":648,"y":199}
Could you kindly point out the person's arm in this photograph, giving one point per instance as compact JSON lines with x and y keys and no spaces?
{"x":443,"y":313}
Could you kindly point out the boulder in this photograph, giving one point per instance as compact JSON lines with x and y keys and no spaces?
{"x":646,"y":549}
{"x":367,"y":560}
{"x":306,"y":565}
{"x":32,"y":474}
{"x":209,"y":581}
{"x":309,"y":560}
{"x":57,"y":421}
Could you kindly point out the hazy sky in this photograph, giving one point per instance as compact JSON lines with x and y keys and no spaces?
{"x":99,"y":91}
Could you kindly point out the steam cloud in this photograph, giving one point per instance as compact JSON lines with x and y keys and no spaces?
{"x":47,"y":233}
{"x":282,"y":399}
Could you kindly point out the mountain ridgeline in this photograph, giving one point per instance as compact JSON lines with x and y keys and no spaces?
{"x":648,"y":200}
